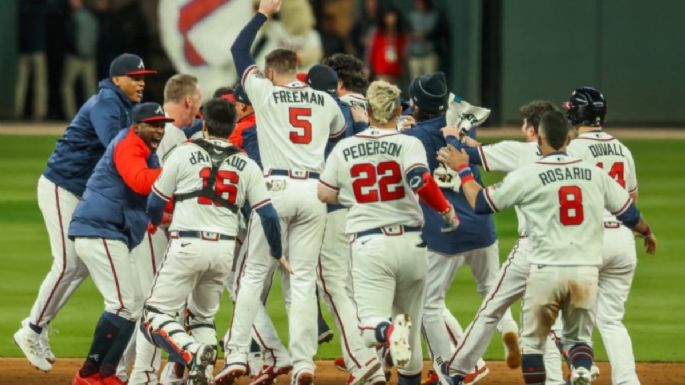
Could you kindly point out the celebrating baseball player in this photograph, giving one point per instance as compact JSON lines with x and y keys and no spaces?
{"x":586,"y":110}
{"x":210,"y":180}
{"x":563,"y":199}
{"x":182,"y":98}
{"x":295,"y":123}
{"x":107,"y":224}
{"x":63,"y":183}
{"x":376,"y":173}
{"x":473,"y":243}
{"x":505,"y":156}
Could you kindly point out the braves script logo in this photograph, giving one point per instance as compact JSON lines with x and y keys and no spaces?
{"x":191,"y":14}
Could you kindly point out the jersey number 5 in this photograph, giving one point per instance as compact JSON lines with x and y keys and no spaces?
{"x":367,"y":176}
{"x":304,"y":133}
{"x":571,"y":205}
{"x":616,"y":171}
{"x":226,"y":183}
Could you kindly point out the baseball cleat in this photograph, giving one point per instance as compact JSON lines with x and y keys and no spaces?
{"x":440,"y":372}
{"x":477,"y":375}
{"x":339,"y":364}
{"x":365,"y":373}
{"x":267,"y":375}
{"x":325,"y":337}
{"x":398,"y":340}
{"x":580,"y":376}
{"x":303,"y":377}
{"x":512,"y":349}
{"x":230,"y":373}
{"x":93,"y":379}
{"x":28,"y":342}
{"x":202,"y":367}
{"x":111,"y":380}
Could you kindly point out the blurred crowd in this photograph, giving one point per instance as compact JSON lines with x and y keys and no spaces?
{"x":65,"y":46}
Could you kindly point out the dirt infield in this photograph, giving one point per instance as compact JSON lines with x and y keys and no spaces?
{"x":56,"y":128}
{"x":16,"y":371}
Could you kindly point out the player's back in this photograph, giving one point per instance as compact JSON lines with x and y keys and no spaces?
{"x":190,"y":167}
{"x":562,"y":199}
{"x":371,"y":172}
{"x":295,"y":122}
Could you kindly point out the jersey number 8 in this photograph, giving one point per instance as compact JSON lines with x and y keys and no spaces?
{"x":571,"y":205}
{"x":366,"y":176}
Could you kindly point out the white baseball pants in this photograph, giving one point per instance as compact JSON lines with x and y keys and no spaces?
{"x":302,"y":219}
{"x":333,"y":271}
{"x":389,"y":278}
{"x":484,"y":263}
{"x":67,"y":271}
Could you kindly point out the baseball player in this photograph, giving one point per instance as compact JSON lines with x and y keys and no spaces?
{"x":295,"y":123}
{"x":334,"y":258}
{"x":563,"y":199}
{"x":586,"y":110}
{"x":210,"y":180}
{"x":63,"y":183}
{"x":107,"y":224}
{"x":352,"y":82}
{"x":376,"y":173}
{"x":505,"y":156}
{"x":473,"y":243}
{"x":182,"y":100}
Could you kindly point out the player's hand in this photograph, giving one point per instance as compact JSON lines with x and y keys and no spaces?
{"x":451,"y":131}
{"x":452,"y":157}
{"x":269,"y":7}
{"x":650,"y":244}
{"x":285,"y":265}
{"x":469,"y":141}
{"x":406,"y":122}
{"x":359,"y":114}
{"x":450,"y":219}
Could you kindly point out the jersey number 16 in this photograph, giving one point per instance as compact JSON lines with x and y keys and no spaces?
{"x":225,"y":183}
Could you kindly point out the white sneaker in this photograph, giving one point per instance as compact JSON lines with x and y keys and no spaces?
{"x":580,"y":376}
{"x":398,"y":341}
{"x":230,"y":372}
{"x":44,"y":342}
{"x":28,"y":342}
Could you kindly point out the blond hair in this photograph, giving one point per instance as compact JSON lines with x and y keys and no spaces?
{"x":383,"y":98}
{"x":179,"y":86}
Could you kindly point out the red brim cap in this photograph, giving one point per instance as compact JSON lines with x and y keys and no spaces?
{"x":140,"y":72}
{"x":158,"y":118}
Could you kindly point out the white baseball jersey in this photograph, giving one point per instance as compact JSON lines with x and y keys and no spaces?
{"x":354,"y":99}
{"x":295,"y":122}
{"x":507,"y":156}
{"x":369,"y":171}
{"x":605,"y":151}
{"x":562,"y":200}
{"x":173,"y":136}
{"x":188,"y":168}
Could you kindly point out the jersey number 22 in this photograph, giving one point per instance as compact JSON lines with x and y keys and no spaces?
{"x":386,"y":175}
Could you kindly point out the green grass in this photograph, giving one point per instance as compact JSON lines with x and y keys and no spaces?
{"x":654,"y":310}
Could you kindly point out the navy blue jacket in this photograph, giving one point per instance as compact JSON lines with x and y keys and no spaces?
{"x":83,"y":143}
{"x":476,"y":231}
{"x":110,"y":208}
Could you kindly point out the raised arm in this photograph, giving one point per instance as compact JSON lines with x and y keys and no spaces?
{"x":240,"y":50}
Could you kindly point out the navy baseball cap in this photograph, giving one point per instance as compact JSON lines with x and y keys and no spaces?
{"x":128,"y":64}
{"x":429,"y":92}
{"x":149,"y":112}
{"x":323,"y":78}
{"x":240,"y":95}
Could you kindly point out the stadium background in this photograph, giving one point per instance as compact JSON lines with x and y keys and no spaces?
{"x":500,"y":54}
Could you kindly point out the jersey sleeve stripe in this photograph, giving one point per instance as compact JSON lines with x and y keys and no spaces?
{"x":160,"y":194}
{"x":624,"y":208}
{"x":330,"y":186}
{"x":260,"y":204}
{"x":337,"y":134}
{"x":482,"y":158}
{"x":413,"y":166}
{"x":247,"y":72}
{"x":489,"y":200}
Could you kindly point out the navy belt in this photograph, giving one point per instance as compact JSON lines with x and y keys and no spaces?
{"x":389,"y":230}
{"x":294,"y":174}
{"x":205,"y":235}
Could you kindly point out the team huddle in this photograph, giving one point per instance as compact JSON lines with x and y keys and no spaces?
{"x":353,"y":196}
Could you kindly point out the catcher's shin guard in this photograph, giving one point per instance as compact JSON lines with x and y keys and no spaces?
{"x":163,"y":331}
